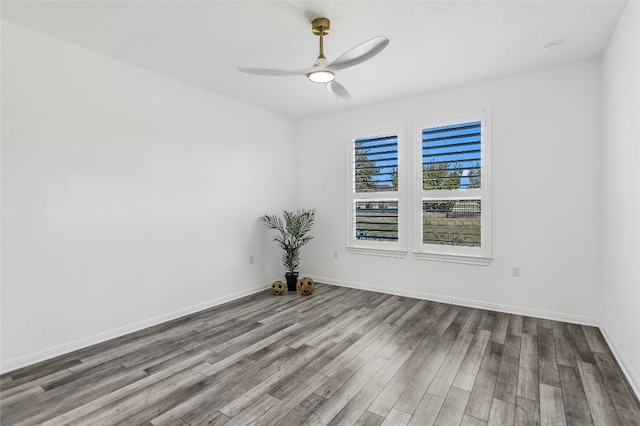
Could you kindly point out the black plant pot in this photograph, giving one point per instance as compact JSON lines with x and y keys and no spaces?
{"x":292,"y":280}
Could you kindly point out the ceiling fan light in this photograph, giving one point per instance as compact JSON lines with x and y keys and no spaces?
{"x":321,"y":76}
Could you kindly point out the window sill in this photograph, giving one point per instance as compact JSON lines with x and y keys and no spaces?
{"x":454,"y":258}
{"x":377,"y":252}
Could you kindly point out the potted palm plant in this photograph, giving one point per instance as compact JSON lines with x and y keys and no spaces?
{"x":295,"y":232}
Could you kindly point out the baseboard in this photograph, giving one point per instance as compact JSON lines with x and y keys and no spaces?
{"x":632,"y":376}
{"x":518,"y":310}
{"x":8,"y":366}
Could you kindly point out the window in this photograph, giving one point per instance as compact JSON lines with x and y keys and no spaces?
{"x":453,"y":179}
{"x":450,"y":213}
{"x":376,"y":209}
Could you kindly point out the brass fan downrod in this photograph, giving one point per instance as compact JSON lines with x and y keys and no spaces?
{"x":321,"y":27}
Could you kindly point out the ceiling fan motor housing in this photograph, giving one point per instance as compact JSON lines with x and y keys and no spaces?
{"x":321,"y":26}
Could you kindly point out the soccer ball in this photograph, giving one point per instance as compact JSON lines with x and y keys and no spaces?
{"x":277,"y":287}
{"x":306,"y":286}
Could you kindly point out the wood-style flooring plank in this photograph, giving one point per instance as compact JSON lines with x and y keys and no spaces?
{"x":530,"y":325}
{"x":363,"y":344}
{"x":564,"y":349}
{"x":507,"y":381}
{"x":129,"y":405}
{"x":551,"y":406}
{"x":359,"y":403}
{"x":418,"y":385}
{"x":300,"y":358}
{"x":386,"y":399}
{"x":405,"y":328}
{"x":600,"y":405}
{"x":576,"y":406}
{"x":515,"y":325}
{"x":369,"y":419}
{"x":472,"y":322}
{"x":481,"y":396}
{"x":111,"y":399}
{"x":499,"y":331}
{"x":397,"y":418}
{"x":293,"y":399}
{"x":344,"y":374}
{"x":327,"y":352}
{"x":580,"y":345}
{"x":595,"y":340}
{"x":488,"y":320}
{"x":254,"y":411}
{"x":528,"y":369}
{"x":327,"y":411}
{"x":502,"y":413}
{"x":527,"y":412}
{"x":452,"y":410}
{"x":472,"y":421}
{"x":306,"y":408}
{"x":427,"y":411}
{"x":233,"y":357}
{"x":447,"y":372}
{"x":466,"y":375}
{"x":547,"y":359}
{"x":63,"y":399}
{"x":10,"y":391}
{"x":626,"y":406}
{"x":207,"y":399}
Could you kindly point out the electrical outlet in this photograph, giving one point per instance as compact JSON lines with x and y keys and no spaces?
{"x":250,"y":260}
{"x":516,"y":271}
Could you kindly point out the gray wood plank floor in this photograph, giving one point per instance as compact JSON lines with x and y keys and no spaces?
{"x":338,"y":357}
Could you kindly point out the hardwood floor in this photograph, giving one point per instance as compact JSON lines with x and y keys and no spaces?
{"x":338,"y":357}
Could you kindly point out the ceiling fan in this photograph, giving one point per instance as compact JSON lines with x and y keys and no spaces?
{"x":324,"y":72}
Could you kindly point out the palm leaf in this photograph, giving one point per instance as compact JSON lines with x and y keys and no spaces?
{"x":294,"y":232}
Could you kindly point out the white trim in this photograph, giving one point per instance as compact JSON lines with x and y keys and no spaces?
{"x":453,"y":258}
{"x":376,"y":251}
{"x":633,"y":377}
{"x":509,"y":309}
{"x":33,"y":358}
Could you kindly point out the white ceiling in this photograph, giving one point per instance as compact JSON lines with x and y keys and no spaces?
{"x":433,"y":44}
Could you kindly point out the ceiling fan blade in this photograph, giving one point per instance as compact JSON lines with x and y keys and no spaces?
{"x":338,"y":91}
{"x":359,"y":54}
{"x":270,"y":72}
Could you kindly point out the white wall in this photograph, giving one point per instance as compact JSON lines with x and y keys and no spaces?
{"x":621,"y":194}
{"x":127,"y":197}
{"x":546,"y":196}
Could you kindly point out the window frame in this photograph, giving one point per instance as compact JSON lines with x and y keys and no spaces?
{"x":449,"y":253}
{"x":373,"y":247}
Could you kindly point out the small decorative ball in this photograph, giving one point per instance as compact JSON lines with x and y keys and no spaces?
{"x":306,"y":286}
{"x":277,"y":287}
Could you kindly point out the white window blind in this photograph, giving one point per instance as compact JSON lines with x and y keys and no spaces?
{"x":453,"y":156}
{"x":376,"y":170}
{"x":375,"y":214}
{"x":451,"y":161}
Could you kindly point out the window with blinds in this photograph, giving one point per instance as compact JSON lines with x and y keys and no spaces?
{"x":452,"y":160}
{"x":376,"y":164}
{"x":375,"y":207}
{"x":451,"y":156}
